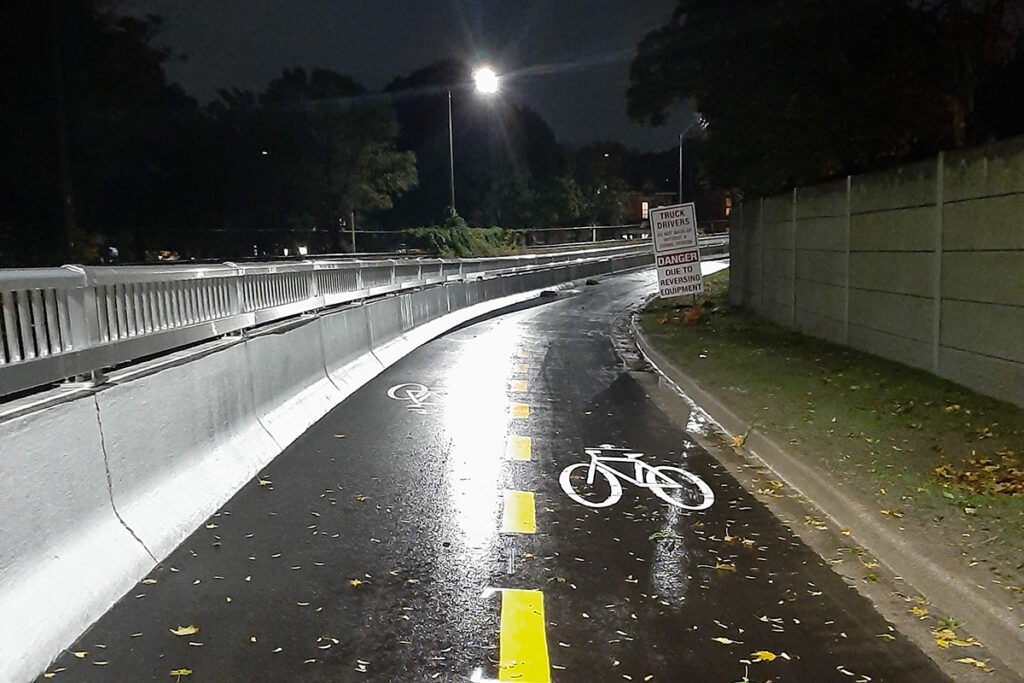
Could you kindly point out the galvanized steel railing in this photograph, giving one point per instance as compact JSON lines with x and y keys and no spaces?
{"x":57,"y":323}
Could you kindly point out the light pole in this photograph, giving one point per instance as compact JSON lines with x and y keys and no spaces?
{"x":486,"y":82}
{"x":703,"y":124}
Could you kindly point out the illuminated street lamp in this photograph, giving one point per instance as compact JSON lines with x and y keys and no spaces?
{"x":486,"y":82}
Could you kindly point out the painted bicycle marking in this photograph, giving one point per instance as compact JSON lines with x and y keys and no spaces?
{"x":421,"y":399}
{"x":672,"y":484}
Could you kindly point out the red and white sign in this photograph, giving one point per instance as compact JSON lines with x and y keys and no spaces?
{"x":675,"y":250}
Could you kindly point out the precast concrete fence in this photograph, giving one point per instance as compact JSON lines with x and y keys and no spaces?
{"x":923,"y":264}
{"x":103,"y":479}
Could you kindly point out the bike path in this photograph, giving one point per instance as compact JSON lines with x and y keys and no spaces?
{"x":429,"y":539}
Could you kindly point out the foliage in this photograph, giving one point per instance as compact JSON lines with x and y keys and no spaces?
{"x":504,"y":154}
{"x":801,"y":90}
{"x":453,"y":241}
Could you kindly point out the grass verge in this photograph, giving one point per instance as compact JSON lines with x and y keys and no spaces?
{"x":946,"y":458}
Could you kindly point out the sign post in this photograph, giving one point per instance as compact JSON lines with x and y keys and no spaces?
{"x":676,"y":253}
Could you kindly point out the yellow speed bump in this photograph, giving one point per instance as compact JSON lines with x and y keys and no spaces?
{"x":523,"y":654}
{"x":520,"y":410}
{"x":519,"y":385}
{"x":519,"y":516}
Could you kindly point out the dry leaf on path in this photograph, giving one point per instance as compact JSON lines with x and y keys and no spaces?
{"x":974,"y":662}
{"x":184,"y":630}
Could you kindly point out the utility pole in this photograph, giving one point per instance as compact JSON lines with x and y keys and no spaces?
{"x":451,"y":154}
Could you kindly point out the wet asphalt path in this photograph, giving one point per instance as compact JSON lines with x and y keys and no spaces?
{"x":373,"y":548}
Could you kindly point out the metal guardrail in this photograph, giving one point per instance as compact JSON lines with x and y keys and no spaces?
{"x":57,"y":323}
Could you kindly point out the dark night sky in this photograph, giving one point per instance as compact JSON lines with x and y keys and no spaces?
{"x":566,"y":59}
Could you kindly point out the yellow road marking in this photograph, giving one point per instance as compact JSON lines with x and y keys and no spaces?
{"x":519,"y":448}
{"x":519,"y":385}
{"x":520,"y":410}
{"x":521,"y":369}
{"x":519,"y":517}
{"x":523,"y":654}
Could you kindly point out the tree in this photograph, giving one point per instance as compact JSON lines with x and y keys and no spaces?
{"x":504,"y":154}
{"x":84,"y":110}
{"x":801,"y":90}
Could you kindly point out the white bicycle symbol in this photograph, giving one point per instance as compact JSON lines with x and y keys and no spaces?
{"x":416,"y":394}
{"x":674,"y":485}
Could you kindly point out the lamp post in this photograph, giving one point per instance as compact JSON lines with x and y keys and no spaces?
{"x":703,"y":124}
{"x":486,"y":82}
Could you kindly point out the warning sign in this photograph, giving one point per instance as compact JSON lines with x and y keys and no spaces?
{"x":675,"y":250}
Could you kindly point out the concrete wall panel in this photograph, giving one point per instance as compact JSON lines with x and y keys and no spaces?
{"x":991,"y":376}
{"x":988,"y":224}
{"x":990,"y":277}
{"x":989,"y":329}
{"x":821,"y":266}
{"x":823,"y":327}
{"x":899,"y":230}
{"x":903,"y":187}
{"x":827,"y":199}
{"x":778,"y":209}
{"x":910,"y":352}
{"x":821,"y":233}
{"x":777,"y":262}
{"x":898,"y":272}
{"x":904,"y":316}
{"x":988,"y":171}
{"x":826,"y":300}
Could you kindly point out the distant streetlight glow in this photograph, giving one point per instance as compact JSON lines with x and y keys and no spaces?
{"x":486,"y":80}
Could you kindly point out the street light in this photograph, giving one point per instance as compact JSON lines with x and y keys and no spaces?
{"x":486,"y":81}
{"x":703,"y":123}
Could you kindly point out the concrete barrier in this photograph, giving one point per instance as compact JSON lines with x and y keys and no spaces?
{"x":181,"y":439}
{"x":345,"y":337}
{"x":101,"y":486}
{"x":64,"y":557}
{"x":291,"y":390}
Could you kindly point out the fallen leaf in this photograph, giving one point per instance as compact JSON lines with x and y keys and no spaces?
{"x":974,"y":662}
{"x":725,"y":567}
{"x":944,"y":637}
{"x":184,"y":630}
{"x":892,"y":513}
{"x":727,"y":641}
{"x":261,"y":482}
{"x":181,"y":672}
{"x":738,"y":441}
{"x":763,"y":656}
{"x":362,"y":499}
{"x":355,"y":583}
{"x":81,"y":654}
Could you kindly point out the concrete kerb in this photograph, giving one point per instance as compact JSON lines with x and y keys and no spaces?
{"x":993,"y":622}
